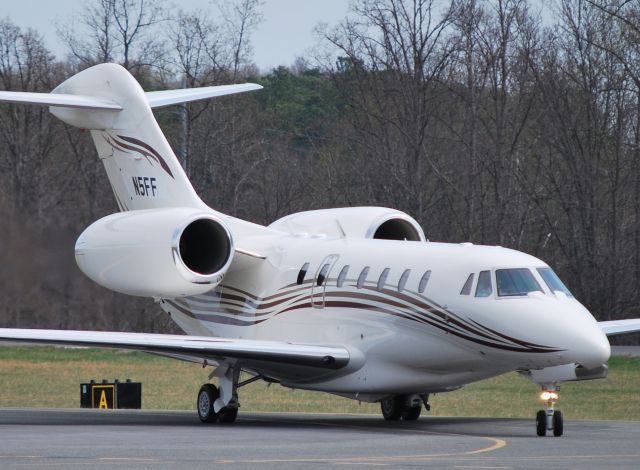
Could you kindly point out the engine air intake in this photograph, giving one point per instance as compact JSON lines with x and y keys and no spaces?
{"x":397,"y":229}
{"x":205,"y":246}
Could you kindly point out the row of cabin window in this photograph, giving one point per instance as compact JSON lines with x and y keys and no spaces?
{"x":322,"y":275}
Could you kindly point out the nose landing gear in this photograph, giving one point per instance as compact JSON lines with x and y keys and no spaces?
{"x":549,"y":419}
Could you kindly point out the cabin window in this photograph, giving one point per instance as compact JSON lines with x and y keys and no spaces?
{"x":342,"y":276}
{"x":483,"y":289}
{"x":303,"y":273}
{"x":466,"y":289}
{"x":403,"y":280}
{"x":323,"y":274}
{"x":553,"y":281}
{"x":383,"y":278}
{"x":424,"y":281}
{"x":519,"y":281}
{"x":363,"y":277}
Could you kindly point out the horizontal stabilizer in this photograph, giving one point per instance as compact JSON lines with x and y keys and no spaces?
{"x":58,"y":99}
{"x":618,"y":327}
{"x":202,"y":347}
{"x":158,"y":99}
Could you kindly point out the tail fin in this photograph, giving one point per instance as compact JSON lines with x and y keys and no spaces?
{"x":142,"y":169}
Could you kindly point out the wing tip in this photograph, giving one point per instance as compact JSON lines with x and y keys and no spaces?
{"x":619,"y":327}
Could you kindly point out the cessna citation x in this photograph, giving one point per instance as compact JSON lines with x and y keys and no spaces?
{"x":351,"y":301}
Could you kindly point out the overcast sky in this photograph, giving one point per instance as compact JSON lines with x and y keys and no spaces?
{"x":285,"y":33}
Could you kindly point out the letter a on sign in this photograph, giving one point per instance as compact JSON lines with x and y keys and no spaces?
{"x":103,"y":400}
{"x":103,"y":396}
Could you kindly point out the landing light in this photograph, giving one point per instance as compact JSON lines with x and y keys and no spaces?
{"x":547,"y":396}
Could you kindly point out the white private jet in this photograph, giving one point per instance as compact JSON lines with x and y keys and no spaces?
{"x":351,"y":301}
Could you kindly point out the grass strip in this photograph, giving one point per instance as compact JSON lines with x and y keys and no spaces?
{"x":50,"y":377}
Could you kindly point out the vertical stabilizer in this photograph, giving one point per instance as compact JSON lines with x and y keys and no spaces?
{"x":142,"y":169}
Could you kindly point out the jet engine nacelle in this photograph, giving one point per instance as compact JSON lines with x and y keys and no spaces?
{"x":161,"y":253}
{"x":356,"y":222}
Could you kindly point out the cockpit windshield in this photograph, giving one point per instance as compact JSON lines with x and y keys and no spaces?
{"x":517,"y":281}
{"x":553,"y":281}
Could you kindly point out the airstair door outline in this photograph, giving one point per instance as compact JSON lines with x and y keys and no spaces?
{"x":319,"y":284}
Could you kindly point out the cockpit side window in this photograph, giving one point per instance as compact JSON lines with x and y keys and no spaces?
{"x":466,"y":289}
{"x":553,"y":281}
{"x":483,"y":289}
{"x":518,"y":281}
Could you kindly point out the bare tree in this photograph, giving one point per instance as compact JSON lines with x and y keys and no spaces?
{"x":215,"y":136}
{"x":117,"y":30}
{"x":240,"y":18}
{"x":395,"y":54}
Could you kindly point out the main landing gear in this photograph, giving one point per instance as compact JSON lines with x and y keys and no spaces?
{"x":207,"y":398}
{"x":549,"y":419}
{"x":221,"y":404}
{"x":407,"y":407}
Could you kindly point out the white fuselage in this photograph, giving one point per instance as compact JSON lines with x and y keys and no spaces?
{"x":412,"y":339}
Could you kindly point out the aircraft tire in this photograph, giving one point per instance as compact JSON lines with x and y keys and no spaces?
{"x":206,"y":397}
{"x":228,"y":415}
{"x":411,"y":413}
{"x":541,"y":423}
{"x":392,"y":407}
{"x":558,"y":423}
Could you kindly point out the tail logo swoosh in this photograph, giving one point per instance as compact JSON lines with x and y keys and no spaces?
{"x":130,"y":144}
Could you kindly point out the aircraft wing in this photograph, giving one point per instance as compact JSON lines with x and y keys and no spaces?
{"x":191,"y":347}
{"x":618,"y":327}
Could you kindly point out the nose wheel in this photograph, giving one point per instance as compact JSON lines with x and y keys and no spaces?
{"x":549,"y":419}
